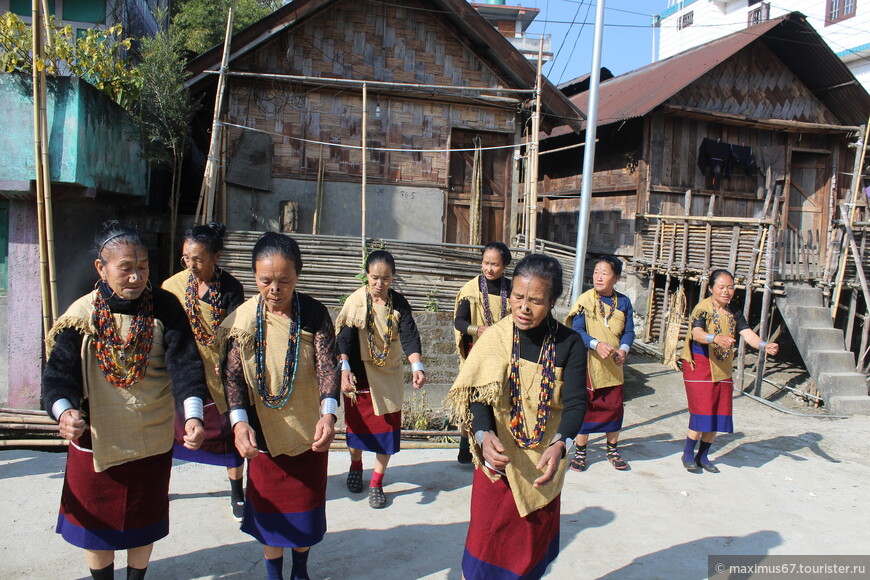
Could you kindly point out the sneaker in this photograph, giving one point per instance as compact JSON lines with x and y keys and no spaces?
{"x":238,"y":510}
{"x":377,"y":499}
{"x":354,"y":481}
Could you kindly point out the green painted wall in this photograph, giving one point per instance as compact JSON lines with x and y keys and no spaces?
{"x":92,"y":141}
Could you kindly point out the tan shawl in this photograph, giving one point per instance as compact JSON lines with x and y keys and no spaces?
{"x":471,"y":292}
{"x":720,"y":369}
{"x":386,"y":383}
{"x":485,"y":379}
{"x":603,"y":373}
{"x":210,"y":355}
{"x":126,"y":424}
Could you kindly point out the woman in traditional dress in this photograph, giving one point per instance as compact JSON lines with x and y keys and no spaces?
{"x":604,"y":319}
{"x":371,"y":323}
{"x":281,"y":379}
{"x":208,"y":293}
{"x":482,"y":302}
{"x":522,"y":393}
{"x":708,"y":356}
{"x":116,"y":358}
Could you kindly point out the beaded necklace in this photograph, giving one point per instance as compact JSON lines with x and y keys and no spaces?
{"x":191,"y":307}
{"x":379,"y":359}
{"x":123,"y":369}
{"x":721,"y":353}
{"x":291,"y":359}
{"x":487,"y":312}
{"x":601,"y":306}
{"x":548,"y":382}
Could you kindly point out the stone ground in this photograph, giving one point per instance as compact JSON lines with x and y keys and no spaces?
{"x":789,"y":485}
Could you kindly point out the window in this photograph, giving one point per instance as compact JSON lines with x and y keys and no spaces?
{"x":837,"y":10}
{"x":93,"y":11}
{"x":752,"y":2}
{"x":758,"y":15}
{"x":686,"y":19}
{"x":25,"y":7}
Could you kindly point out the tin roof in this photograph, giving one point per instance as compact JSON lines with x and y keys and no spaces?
{"x":791,"y":38}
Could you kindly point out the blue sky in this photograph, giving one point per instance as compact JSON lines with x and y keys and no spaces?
{"x":627,"y":42}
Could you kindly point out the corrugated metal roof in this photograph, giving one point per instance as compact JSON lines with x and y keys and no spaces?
{"x":790,"y":37}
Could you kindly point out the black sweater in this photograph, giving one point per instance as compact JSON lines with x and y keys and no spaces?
{"x":571,"y":356}
{"x":463,"y":309}
{"x":409,"y":336}
{"x":62,"y":376}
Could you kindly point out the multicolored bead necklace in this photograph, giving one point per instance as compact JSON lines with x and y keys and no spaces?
{"x":120,"y":367}
{"x":548,"y":383}
{"x":291,"y":359}
{"x":487,"y":312}
{"x":191,"y":307}
{"x":601,"y":306}
{"x":379,"y":359}
{"x":721,"y":353}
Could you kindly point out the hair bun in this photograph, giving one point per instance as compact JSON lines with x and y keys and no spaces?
{"x":218,"y":228}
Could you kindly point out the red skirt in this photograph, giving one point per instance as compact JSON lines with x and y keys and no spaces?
{"x":370,"y":432}
{"x":123,"y":507}
{"x":710,"y":402}
{"x":219,"y":447}
{"x":501,"y":545}
{"x":604,"y":410}
{"x":285,"y":503}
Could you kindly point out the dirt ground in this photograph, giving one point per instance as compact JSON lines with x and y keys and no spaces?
{"x":789,"y":485}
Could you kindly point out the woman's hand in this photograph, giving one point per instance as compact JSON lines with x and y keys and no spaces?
{"x":324,"y":433}
{"x":480,"y":329}
{"x":493,"y":451}
{"x":194,"y":433}
{"x":619,"y":357}
{"x":724,"y":342}
{"x":604,"y":350}
{"x":348,"y":382}
{"x":72,"y":424}
{"x":246,"y":440}
{"x":549,"y":463}
{"x":771,"y":348}
{"x":419,"y":379}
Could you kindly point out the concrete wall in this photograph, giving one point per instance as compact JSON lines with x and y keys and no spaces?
{"x":396,"y":212}
{"x":92,"y":141}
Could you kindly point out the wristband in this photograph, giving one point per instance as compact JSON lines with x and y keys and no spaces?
{"x":593,"y":344}
{"x":472,"y":330}
{"x":480,"y":435}
{"x":345,"y":365}
{"x":238,"y":416}
{"x":328,"y":406}
{"x":60,"y":407}
{"x":762,"y":344}
{"x":711,"y":338}
{"x":193,"y":408}
{"x":624,"y":347}
{"x":417,"y":366}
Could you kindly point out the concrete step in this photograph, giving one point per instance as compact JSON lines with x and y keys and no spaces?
{"x":842,"y":385}
{"x":849,"y":405}
{"x":819,"y":338}
{"x":830,"y":361}
{"x":817,"y":316}
{"x":803,"y":294}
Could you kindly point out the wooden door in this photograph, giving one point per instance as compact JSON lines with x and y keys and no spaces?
{"x":496,"y":186}
{"x":807,"y":213}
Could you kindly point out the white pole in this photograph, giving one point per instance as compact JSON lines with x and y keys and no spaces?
{"x":589,"y":156}
{"x":363,"y":169}
{"x":533,"y":155}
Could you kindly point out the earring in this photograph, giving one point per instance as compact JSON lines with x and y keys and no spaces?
{"x":148,"y":286}
{"x":183,"y":263}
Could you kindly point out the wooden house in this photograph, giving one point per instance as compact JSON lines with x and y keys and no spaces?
{"x":774,"y":90}
{"x":301,"y":138}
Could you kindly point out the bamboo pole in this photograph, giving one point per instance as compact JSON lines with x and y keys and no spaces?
{"x":767,"y":297}
{"x":363,"y":169}
{"x":208,"y":190}
{"x":533,"y":155}
{"x":318,"y":196}
{"x":48,"y":206}
{"x":34,"y":442}
{"x":708,"y":240}
{"x":708,"y":218}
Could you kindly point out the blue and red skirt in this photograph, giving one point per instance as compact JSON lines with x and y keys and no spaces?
{"x":123,"y":507}
{"x":604,"y":409}
{"x":219,"y":447}
{"x":501,"y":545}
{"x":370,"y":432}
{"x":710,"y":401}
{"x":285,"y":499}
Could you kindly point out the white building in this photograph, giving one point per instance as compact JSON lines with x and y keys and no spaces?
{"x":843,"y":24}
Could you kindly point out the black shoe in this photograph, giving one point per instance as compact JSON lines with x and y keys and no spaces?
{"x":354,"y":480}
{"x":691,"y":466}
{"x":709,"y":467}
{"x":238,"y":510}
{"x":464,"y":456}
{"x":377,"y":499}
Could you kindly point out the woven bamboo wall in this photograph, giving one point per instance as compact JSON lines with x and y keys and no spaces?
{"x":365,"y":40}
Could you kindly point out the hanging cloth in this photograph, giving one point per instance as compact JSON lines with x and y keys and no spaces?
{"x":474,"y":217}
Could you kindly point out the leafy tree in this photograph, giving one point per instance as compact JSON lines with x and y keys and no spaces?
{"x":98,"y":56}
{"x":203,"y":23}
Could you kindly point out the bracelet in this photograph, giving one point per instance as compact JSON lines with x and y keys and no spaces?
{"x":762,"y":344}
{"x":711,"y":338}
{"x":417,"y":366}
{"x":193,"y":408}
{"x":328,"y":406}
{"x":345,"y":365}
{"x":238,"y":416}
{"x":60,"y":407}
{"x":472,"y":329}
